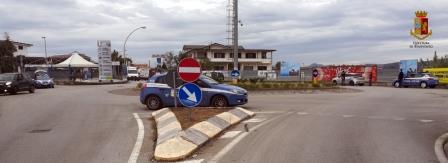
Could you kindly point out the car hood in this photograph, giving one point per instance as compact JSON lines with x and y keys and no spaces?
{"x":229,"y":88}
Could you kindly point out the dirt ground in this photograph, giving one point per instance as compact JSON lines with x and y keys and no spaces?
{"x":197,"y":115}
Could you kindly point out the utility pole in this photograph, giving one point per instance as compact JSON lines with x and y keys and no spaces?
{"x":46,"y":57}
{"x":235,"y":37}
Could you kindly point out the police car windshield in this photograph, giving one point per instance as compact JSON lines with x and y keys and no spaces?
{"x":209,"y":80}
{"x":42,"y":77}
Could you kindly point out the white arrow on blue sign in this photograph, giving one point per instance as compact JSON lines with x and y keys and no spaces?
{"x":235,"y":73}
{"x":190,"y":95}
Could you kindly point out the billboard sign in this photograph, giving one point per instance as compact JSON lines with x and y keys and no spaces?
{"x":289,"y":69}
{"x":104,"y":59}
{"x":408,"y":66}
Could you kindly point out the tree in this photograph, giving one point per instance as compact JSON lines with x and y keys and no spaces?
{"x":206,"y":64}
{"x":278,"y":65}
{"x":8,"y":62}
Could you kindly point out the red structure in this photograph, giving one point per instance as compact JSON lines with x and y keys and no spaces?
{"x":329,"y":72}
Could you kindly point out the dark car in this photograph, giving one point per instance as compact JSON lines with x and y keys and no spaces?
{"x":16,"y":82}
{"x":43,"y":81}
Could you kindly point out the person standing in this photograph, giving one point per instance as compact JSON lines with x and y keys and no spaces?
{"x":400,"y":77}
{"x":343,"y":77}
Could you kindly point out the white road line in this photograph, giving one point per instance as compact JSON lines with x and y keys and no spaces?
{"x":235,"y":141}
{"x":139,"y":142}
{"x":192,"y":161}
{"x":268,"y":112}
{"x":399,"y":118}
{"x":348,"y":116}
{"x":302,"y":113}
{"x":426,"y":120}
{"x":230,"y":134}
{"x":254,"y":120}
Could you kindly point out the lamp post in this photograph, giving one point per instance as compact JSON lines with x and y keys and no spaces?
{"x":124,"y":45}
{"x":46,"y":57}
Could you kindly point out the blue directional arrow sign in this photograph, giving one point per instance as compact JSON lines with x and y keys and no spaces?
{"x":190,"y":95}
{"x":235,"y":74}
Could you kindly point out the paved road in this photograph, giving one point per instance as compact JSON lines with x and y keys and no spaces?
{"x":377,"y":125}
{"x":71,"y":124}
{"x":88,"y":124}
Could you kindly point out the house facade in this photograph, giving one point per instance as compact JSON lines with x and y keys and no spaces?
{"x":256,"y":62}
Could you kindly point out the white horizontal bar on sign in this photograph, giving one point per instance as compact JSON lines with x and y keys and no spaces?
{"x":190,"y":69}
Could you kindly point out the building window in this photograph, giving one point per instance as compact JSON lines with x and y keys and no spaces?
{"x":262,"y":68}
{"x":251,"y":55}
{"x":231,"y":55}
{"x":219,"y":55}
{"x":248,"y":67}
{"x":218,"y":67}
{"x":263,"y":55}
{"x":20,"y":47}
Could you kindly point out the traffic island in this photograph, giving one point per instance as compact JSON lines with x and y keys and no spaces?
{"x":175,"y":144}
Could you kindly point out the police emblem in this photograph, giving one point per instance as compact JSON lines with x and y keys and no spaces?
{"x":421,"y":29}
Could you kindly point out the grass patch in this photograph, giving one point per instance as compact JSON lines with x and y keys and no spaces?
{"x":197,"y":115}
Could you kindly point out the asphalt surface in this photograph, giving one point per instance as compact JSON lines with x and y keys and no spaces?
{"x":71,"y":124}
{"x":377,"y":125}
{"x":89,"y":124}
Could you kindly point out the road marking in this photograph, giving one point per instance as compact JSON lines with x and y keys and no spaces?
{"x":348,"y":116}
{"x":426,"y":120}
{"x":192,"y":161}
{"x":139,"y":142}
{"x":254,"y":120}
{"x":399,"y":118}
{"x":268,"y":112}
{"x":302,"y":113}
{"x":230,"y":134}
{"x":235,"y":141}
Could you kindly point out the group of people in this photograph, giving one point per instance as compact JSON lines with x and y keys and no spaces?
{"x":80,"y":74}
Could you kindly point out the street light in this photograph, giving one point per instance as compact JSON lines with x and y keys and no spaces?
{"x":126,"y":40}
{"x":46,"y":57}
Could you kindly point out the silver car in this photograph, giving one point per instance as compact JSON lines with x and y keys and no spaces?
{"x":350,"y":79}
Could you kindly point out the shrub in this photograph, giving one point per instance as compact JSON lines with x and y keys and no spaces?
{"x":276,"y":85}
{"x":253,"y":80}
{"x":139,"y":85}
{"x":266,"y":85}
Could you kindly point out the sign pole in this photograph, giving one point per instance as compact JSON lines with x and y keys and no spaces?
{"x":175,"y":94}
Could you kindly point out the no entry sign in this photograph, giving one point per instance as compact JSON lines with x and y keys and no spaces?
{"x":189,"y":70}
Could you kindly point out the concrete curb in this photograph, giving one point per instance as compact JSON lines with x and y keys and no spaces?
{"x":439,"y":148}
{"x":173,"y":144}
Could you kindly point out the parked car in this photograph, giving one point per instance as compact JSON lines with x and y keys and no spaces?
{"x":350,"y":79}
{"x":13,"y":83}
{"x":157,"y":94}
{"x":423,"y":80}
{"x":43,"y":81}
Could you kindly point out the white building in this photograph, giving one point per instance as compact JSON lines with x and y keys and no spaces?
{"x":22,"y":48}
{"x":257,"y":60}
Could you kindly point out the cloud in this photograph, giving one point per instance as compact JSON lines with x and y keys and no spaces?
{"x":306,"y":31}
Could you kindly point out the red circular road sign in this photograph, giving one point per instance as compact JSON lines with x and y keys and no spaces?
{"x":189,"y":70}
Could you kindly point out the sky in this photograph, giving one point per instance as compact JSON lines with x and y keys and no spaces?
{"x":302,"y":31}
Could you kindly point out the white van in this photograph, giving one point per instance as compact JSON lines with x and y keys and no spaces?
{"x":132,"y":73}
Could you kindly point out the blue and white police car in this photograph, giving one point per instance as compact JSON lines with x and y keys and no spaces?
{"x":157,"y":94}
{"x":423,"y":80}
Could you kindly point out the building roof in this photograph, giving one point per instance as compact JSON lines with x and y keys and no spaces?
{"x":19,"y":43}
{"x":188,"y":48}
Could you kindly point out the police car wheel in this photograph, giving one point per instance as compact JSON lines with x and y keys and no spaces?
{"x":397,"y":84}
{"x":219,"y":101}
{"x":153,"y":103}
{"x":423,"y":85}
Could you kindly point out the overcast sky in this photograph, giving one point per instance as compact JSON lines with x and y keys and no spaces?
{"x":303,"y":31}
